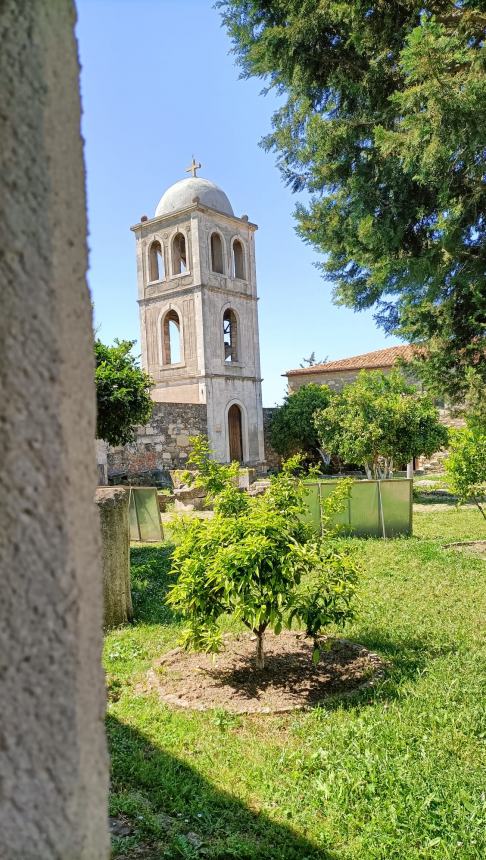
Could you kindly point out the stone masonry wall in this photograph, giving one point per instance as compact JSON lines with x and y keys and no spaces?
{"x":161,"y":445}
{"x":336,"y":379}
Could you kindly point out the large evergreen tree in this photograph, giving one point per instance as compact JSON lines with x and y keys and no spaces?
{"x":384,"y":123}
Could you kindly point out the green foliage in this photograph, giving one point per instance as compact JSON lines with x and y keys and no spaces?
{"x":122,"y":392}
{"x":384,"y":125}
{"x":380,"y":420}
{"x":326,"y":596}
{"x":250,"y":560}
{"x":395,"y":771}
{"x":220,"y":481}
{"x":475,"y":402}
{"x":466,"y":467}
{"x":292,"y":429}
{"x":335,"y":503}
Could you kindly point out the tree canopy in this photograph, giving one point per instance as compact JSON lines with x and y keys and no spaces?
{"x":122,"y":392}
{"x":258,"y":560}
{"x":380,"y":421}
{"x":292,"y":429}
{"x":466,"y":467}
{"x":384,"y":124}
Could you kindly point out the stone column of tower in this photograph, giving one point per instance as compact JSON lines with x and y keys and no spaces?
{"x":198,"y":313}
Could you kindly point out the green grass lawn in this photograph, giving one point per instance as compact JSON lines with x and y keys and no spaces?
{"x":397,"y":771}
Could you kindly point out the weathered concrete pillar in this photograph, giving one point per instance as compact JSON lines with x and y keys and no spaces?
{"x":53,"y":762}
{"x":115,"y":542}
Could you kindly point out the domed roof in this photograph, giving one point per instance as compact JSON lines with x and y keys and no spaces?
{"x":182,"y":194}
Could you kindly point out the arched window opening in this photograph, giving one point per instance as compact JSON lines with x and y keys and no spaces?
{"x":230,"y":336}
{"x":171,"y":338}
{"x":156,"y":262}
{"x":235,"y":434}
{"x":179,"y":256}
{"x":238,"y":260}
{"x":217,"y":253}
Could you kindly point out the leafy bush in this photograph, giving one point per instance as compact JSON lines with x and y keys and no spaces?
{"x":219,"y":481}
{"x":292,"y":429}
{"x":122,"y":392}
{"x":466,"y":467}
{"x":258,"y":560}
{"x":379,"y":420}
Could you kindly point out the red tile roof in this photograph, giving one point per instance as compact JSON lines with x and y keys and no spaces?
{"x":366,"y":361}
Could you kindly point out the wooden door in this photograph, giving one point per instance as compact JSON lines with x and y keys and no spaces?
{"x":235,"y":434}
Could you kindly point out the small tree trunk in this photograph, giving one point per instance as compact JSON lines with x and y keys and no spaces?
{"x":479,"y":506}
{"x":325,"y":457}
{"x":260,"y":658}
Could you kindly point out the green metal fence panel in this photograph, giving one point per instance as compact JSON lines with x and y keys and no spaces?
{"x":343,"y":518}
{"x":374,"y":508}
{"x":313,"y":507}
{"x":396,"y":496}
{"x":132,"y":518}
{"x":365,"y":509}
{"x":144,"y":514}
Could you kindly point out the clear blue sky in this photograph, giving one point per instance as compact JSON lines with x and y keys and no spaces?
{"x":158,"y":84}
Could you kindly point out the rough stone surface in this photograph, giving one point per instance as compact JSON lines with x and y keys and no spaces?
{"x":115,"y":542}
{"x":335,"y":379}
{"x":163,"y":445}
{"x":53,"y":762}
{"x":156,"y":449}
{"x":189,"y":499}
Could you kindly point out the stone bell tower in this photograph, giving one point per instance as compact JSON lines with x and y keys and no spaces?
{"x":198,"y":313}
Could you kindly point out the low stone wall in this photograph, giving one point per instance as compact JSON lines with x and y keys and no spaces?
{"x":272,"y":459}
{"x":112,"y":505}
{"x":161,"y":445}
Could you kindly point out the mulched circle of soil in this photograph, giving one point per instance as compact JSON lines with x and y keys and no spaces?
{"x":288,"y":682}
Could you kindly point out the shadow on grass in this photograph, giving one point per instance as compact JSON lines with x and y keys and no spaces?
{"x":172,"y":811}
{"x":405,"y":660}
{"x":424,"y":497}
{"x":150,"y":580}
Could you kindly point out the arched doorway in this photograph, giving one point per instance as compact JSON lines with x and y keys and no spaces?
{"x":235,"y":435}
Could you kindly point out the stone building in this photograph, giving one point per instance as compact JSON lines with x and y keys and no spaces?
{"x":197,"y":296}
{"x":337,"y":374}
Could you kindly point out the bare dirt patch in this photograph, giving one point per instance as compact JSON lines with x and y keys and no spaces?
{"x":288,"y":682}
{"x":476,"y":547}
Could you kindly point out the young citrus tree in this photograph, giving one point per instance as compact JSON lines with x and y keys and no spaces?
{"x":466,"y":467}
{"x":379,"y":420}
{"x":257,"y":560}
{"x":219,"y":481}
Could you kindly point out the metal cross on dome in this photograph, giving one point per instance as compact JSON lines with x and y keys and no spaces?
{"x":196,"y":165}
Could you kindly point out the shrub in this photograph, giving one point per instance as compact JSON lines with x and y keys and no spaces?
{"x":379,"y":420}
{"x":466,"y":467}
{"x":257,"y":560}
{"x":122,"y":392}
{"x":292,"y":429}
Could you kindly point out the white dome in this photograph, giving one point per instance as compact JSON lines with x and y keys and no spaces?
{"x":182,"y":194}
